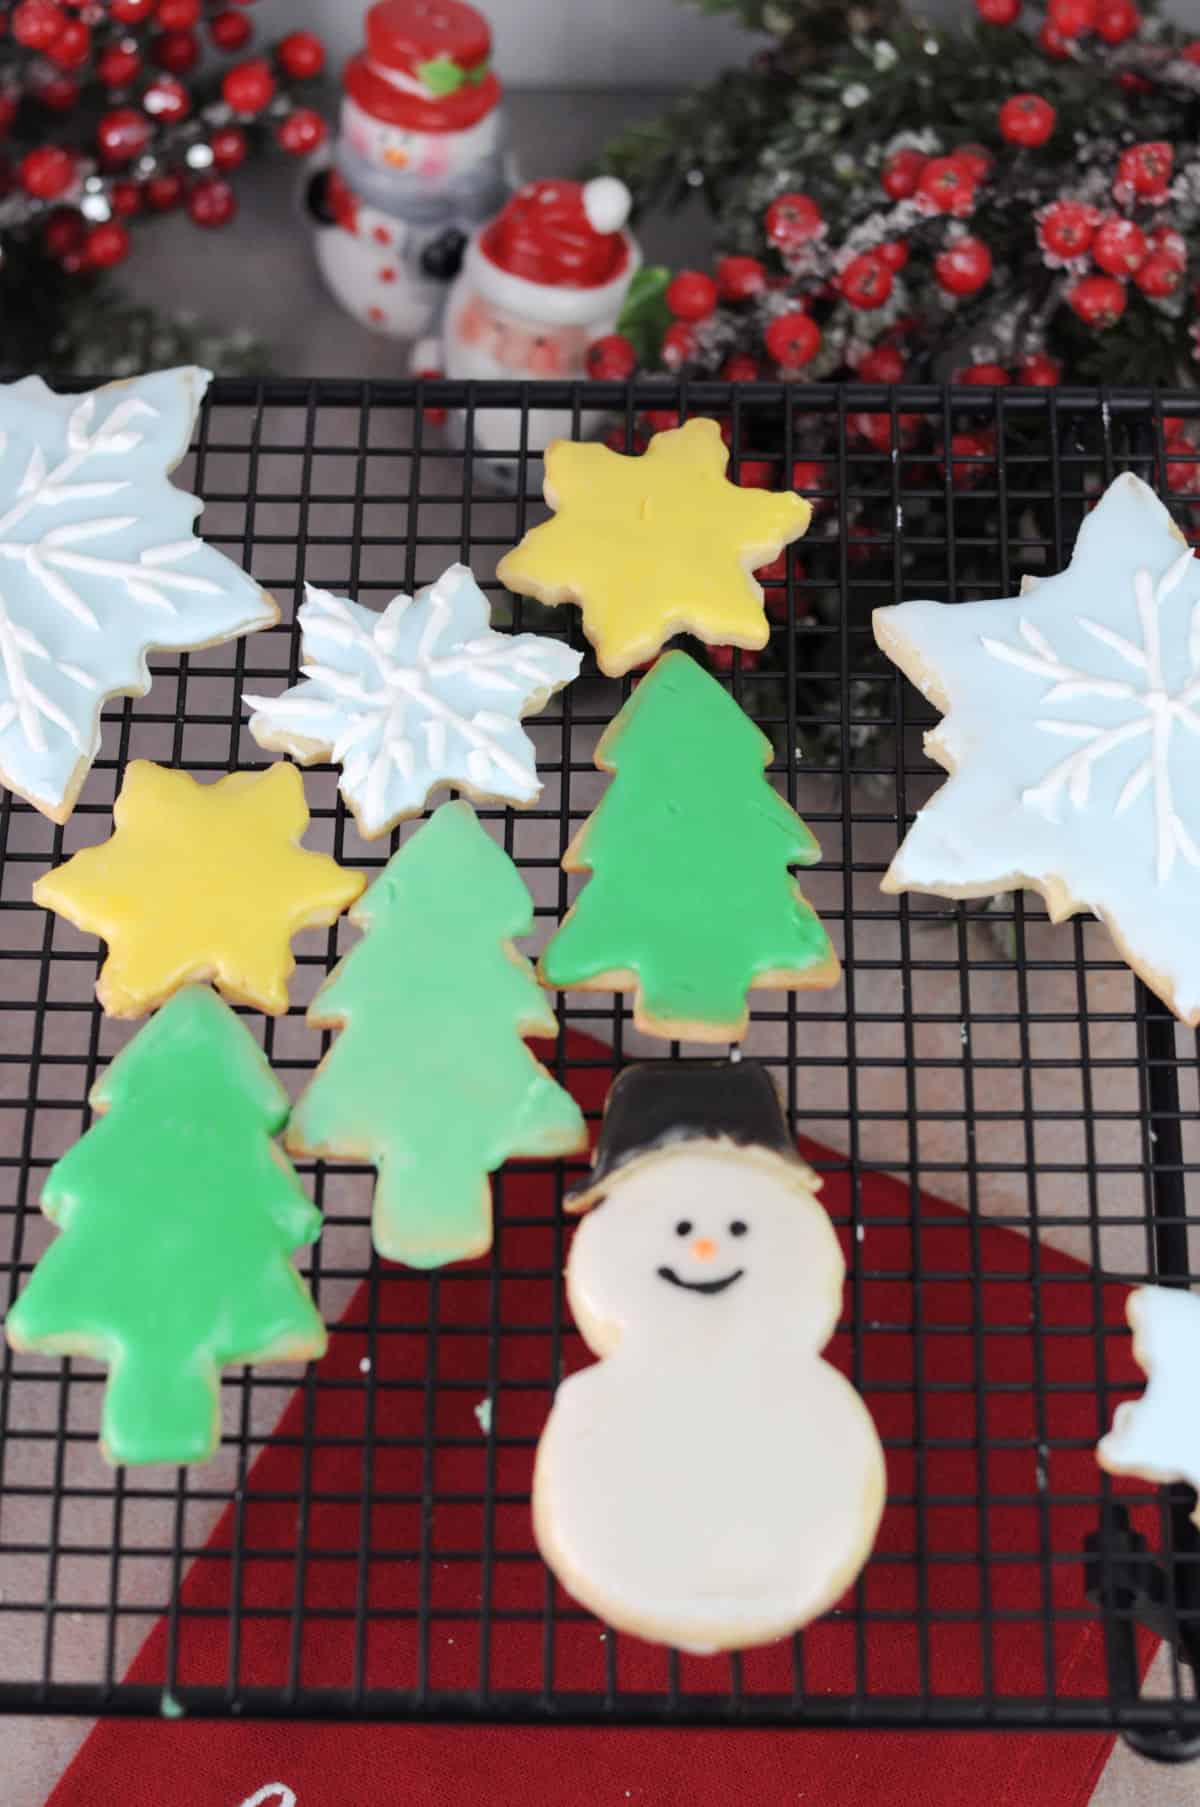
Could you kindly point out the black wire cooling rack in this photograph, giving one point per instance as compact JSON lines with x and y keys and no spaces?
{"x":1006,"y":1122}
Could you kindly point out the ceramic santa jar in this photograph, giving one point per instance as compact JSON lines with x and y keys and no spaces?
{"x":539,"y":282}
{"x":418,"y":163}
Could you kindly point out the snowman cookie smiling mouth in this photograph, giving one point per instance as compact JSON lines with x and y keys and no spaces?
{"x":700,"y":1286}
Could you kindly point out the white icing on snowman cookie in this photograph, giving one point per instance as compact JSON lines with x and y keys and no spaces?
{"x":1072,"y":736}
{"x":711,"y":1482}
{"x":1157,"y":1437}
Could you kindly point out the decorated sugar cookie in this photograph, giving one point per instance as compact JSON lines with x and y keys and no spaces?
{"x":425,"y":693}
{"x":1072,"y":736}
{"x":98,"y":564}
{"x":691,"y":902}
{"x":654,"y":545}
{"x":177,"y":1213}
{"x":1157,"y":1437}
{"x":430,"y":1079}
{"x":200,"y":881}
{"x":711,"y":1482}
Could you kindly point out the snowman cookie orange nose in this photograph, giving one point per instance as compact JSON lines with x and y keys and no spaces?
{"x":704,"y":1248}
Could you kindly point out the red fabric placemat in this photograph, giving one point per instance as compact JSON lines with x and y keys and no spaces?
{"x":966,"y":1377}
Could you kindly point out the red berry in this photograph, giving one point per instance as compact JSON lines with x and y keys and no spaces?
{"x":1166,"y":242}
{"x":984,"y":376}
{"x":1117,"y":20}
{"x":37,"y":23}
{"x":72,"y":47}
{"x":178,"y":15}
{"x":47,"y":172}
{"x":809,"y":476}
{"x":611,"y":359}
{"x":106,"y":244}
{"x":1039,"y":371}
{"x":1119,"y":246}
{"x":1027,"y":119}
{"x":792,"y":220}
{"x":1158,"y":277}
{"x":1053,"y":42}
{"x":741,"y":368}
{"x":301,"y":55}
{"x":866,"y":281}
{"x":122,"y":135}
{"x":1098,"y":300}
{"x":130,"y":12}
{"x":302,"y":131}
{"x":176,"y":51}
{"x":228,"y":146}
{"x":249,"y":87}
{"x":793,"y":340}
{"x":166,"y":98}
{"x":901,"y":173}
{"x":1191,"y":52}
{"x":721,"y":658}
{"x":894,"y":253}
{"x":125,"y":199}
{"x":998,"y":12}
{"x":963,"y":267}
{"x":63,"y":233}
{"x":978,"y":160}
{"x":230,"y":31}
{"x":946,"y":186}
{"x":117,"y":66}
{"x":755,"y":473}
{"x":1066,"y":228}
{"x":678,"y":344}
{"x":691,"y":295}
{"x":164,"y":191}
{"x":1071,"y":18}
{"x":876,"y":429}
{"x":740,"y":277}
{"x":58,"y":92}
{"x":1146,"y":169}
{"x":882,"y":364}
{"x":967,"y":466}
{"x":212,"y":202}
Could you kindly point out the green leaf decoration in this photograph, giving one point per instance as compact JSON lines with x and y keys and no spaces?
{"x":441,"y":75}
{"x":645,"y":316}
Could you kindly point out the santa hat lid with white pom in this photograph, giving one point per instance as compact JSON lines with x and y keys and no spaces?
{"x":558,"y":252}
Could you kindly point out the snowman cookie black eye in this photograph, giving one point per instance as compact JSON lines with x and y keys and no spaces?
{"x":683,"y":1227}
{"x":738,"y":1228}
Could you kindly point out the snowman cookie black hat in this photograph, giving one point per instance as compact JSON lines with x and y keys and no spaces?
{"x":658,"y":1106}
{"x":558,"y":253}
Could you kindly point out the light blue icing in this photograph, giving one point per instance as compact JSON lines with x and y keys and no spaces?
{"x":1073,"y":733}
{"x":425,"y":693}
{"x":98,"y":563}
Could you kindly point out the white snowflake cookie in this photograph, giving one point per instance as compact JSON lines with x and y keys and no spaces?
{"x":425,"y":693}
{"x":1072,"y":736}
{"x":98,"y":564}
{"x":1157,"y":1437}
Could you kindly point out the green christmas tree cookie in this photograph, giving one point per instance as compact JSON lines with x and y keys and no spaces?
{"x":691,"y":901}
{"x":429,"y":1078}
{"x":178,"y":1212}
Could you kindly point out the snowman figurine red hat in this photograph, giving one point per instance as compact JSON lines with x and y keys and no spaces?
{"x":539,"y":283}
{"x":418,"y":163}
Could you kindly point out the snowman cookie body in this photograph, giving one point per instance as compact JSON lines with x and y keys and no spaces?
{"x":711,"y":1482}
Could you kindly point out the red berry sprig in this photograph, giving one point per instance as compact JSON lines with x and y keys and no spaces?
{"x":1027,"y":120}
{"x":963,"y":267}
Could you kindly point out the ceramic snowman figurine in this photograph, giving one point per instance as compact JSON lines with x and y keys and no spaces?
{"x":418,"y":163}
{"x":538,"y":284}
{"x":710,"y":1482}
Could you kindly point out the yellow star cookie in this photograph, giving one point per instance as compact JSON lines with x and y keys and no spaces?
{"x":654,"y":545}
{"x":200,"y":881}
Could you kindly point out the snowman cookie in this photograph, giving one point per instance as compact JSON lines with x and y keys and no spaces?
{"x":1157,"y":1437}
{"x":711,"y":1482}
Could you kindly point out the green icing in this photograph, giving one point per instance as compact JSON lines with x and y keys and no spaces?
{"x":690,"y":848}
{"x":429,"y":1078}
{"x":177,"y":1214}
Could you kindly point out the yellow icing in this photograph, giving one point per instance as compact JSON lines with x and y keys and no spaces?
{"x":200,"y":881}
{"x":654,"y":545}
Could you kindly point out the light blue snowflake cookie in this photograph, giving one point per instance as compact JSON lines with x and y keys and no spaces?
{"x":425,"y":693}
{"x":1072,"y":735}
{"x":98,"y":564}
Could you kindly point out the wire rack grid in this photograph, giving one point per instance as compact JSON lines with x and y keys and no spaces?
{"x":1004,"y":1118}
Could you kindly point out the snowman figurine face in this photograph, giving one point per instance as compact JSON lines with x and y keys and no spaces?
{"x":704,"y":1236}
{"x":427,"y":157}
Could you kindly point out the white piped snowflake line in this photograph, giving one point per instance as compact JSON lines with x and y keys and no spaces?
{"x":422,"y":694}
{"x":1157,"y":711}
